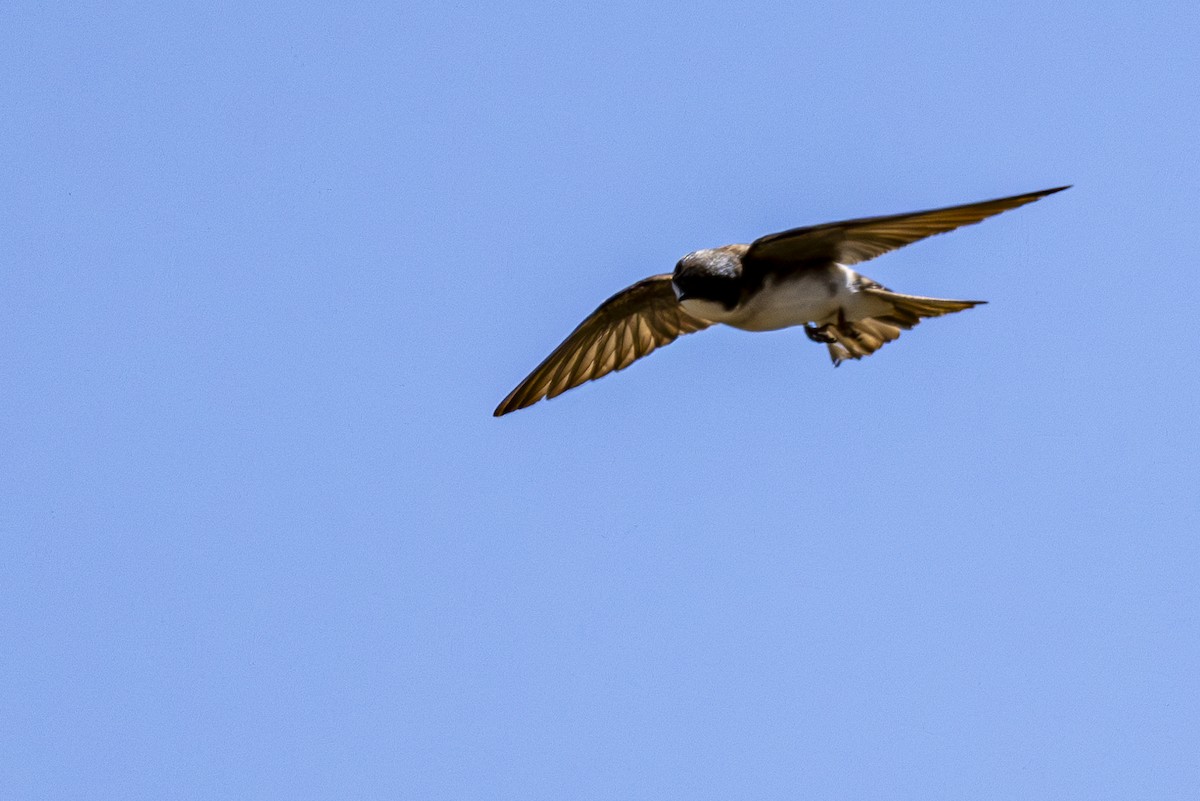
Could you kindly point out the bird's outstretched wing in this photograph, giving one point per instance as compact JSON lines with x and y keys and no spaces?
{"x":854,"y":241}
{"x":625,"y":328}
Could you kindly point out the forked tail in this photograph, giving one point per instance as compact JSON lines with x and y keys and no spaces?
{"x":853,"y":339}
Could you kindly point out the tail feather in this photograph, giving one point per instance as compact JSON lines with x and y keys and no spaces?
{"x":854,"y":339}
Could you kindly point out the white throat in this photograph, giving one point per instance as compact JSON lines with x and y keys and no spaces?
{"x":708,"y":310}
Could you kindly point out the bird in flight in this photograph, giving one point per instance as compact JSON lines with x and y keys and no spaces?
{"x":798,"y":277}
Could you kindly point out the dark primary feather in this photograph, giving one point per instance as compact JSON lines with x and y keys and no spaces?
{"x":854,"y":241}
{"x":625,"y":328}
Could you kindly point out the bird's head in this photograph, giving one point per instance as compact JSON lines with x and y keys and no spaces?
{"x":707,"y":282}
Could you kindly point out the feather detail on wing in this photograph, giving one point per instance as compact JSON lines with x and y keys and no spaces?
{"x":626,"y":327}
{"x":853,"y":241}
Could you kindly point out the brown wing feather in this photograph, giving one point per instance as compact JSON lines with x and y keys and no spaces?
{"x":626,"y":327}
{"x":854,"y":241}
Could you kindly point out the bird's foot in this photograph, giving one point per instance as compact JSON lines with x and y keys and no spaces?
{"x":817,"y":334}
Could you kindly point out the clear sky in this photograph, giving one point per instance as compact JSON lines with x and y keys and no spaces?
{"x":266,"y":270}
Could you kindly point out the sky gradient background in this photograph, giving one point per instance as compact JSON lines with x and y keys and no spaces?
{"x":266,"y":272}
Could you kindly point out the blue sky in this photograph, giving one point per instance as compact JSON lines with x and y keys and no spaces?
{"x":267,"y":270}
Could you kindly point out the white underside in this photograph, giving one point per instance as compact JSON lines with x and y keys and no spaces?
{"x":813,"y":297}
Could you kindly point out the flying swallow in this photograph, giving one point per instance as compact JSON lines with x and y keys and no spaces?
{"x":798,"y":277}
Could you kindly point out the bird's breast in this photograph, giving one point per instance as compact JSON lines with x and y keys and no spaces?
{"x":813,"y":296}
